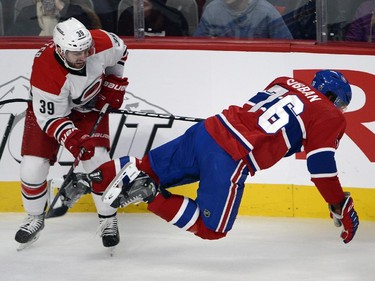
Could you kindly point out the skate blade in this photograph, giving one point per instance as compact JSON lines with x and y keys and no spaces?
{"x":27,"y":245}
{"x":111,"y":251}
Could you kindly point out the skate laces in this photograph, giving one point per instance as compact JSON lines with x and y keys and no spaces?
{"x":32,"y":223}
{"x":107,"y":227}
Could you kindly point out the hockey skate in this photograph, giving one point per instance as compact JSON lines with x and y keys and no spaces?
{"x":79,"y":185}
{"x":29,"y":231}
{"x":138,"y":187}
{"x":108,"y":230}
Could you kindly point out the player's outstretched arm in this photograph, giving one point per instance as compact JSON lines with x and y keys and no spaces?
{"x":344,"y":215}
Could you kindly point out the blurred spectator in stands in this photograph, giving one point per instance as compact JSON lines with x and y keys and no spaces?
{"x":107,"y":12}
{"x":160,"y":20}
{"x":242,"y":19}
{"x":8,"y":12}
{"x":41,"y":18}
{"x":302,"y":21}
{"x":200,"y":5}
{"x":280,"y":5}
{"x":362,"y":26}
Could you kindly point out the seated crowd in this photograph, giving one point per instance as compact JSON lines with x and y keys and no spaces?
{"x":277,"y":19}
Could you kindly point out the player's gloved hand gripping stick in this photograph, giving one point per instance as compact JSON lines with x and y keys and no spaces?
{"x":61,"y":210}
{"x":112,"y":92}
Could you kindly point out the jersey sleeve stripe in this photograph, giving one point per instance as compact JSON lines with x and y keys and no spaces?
{"x":323,"y":149}
{"x":322,"y":163}
{"x":319,"y":176}
{"x":62,"y":127}
{"x":48,"y":124}
{"x":54,"y":127}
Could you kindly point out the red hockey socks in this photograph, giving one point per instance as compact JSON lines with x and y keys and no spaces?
{"x":184,"y":213}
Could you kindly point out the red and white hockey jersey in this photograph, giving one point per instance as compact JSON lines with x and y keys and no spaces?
{"x":287,"y":117}
{"x":56,"y":90}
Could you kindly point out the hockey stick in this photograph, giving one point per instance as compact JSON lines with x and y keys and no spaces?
{"x":128,"y":112}
{"x":156,"y":115}
{"x":2,"y":102}
{"x":60,"y":211}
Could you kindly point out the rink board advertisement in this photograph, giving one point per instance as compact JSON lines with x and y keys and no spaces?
{"x":196,"y":83}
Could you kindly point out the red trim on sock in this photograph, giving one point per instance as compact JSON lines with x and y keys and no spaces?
{"x":34,"y":190}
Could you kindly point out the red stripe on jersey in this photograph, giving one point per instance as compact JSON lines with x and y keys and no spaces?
{"x":101,"y":39}
{"x":47,"y":74}
{"x":33,"y":191}
{"x":231,"y":197}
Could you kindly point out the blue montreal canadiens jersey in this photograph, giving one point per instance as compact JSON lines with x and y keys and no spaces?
{"x":287,"y":117}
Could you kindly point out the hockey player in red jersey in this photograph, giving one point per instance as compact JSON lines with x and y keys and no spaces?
{"x":289,"y":116}
{"x":78,"y":71}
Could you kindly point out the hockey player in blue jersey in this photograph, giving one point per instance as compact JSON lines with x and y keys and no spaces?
{"x":287,"y":117}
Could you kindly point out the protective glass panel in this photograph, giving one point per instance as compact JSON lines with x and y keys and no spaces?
{"x":320,"y":20}
{"x":351,"y":20}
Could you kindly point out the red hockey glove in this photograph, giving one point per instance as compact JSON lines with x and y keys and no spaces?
{"x":112,"y":92}
{"x":74,"y":139}
{"x":348,"y":218}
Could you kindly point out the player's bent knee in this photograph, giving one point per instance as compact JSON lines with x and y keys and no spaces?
{"x":201,"y":230}
{"x":101,"y":156}
{"x":34,"y":170}
{"x":108,"y":171}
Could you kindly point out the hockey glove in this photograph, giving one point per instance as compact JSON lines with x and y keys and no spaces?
{"x":74,"y":139}
{"x":348,"y":218}
{"x":112,"y":92}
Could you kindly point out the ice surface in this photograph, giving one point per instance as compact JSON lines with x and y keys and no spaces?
{"x":257,"y":249}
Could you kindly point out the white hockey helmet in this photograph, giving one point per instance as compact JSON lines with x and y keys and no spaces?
{"x":72,"y":35}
